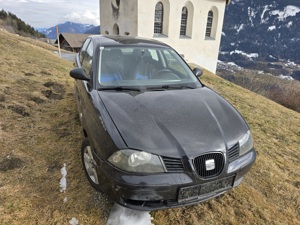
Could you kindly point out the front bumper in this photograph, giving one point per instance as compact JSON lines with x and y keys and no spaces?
{"x":161,"y":191}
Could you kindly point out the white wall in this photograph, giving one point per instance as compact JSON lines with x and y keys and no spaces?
{"x":137,"y":18}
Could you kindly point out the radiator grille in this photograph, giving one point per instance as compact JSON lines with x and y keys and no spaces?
{"x":200,"y":164}
{"x":234,"y":152}
{"x":172,"y":164}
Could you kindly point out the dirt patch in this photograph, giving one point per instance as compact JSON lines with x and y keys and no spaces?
{"x":51,"y":95}
{"x":54,"y":166}
{"x":7,"y":91}
{"x":19,"y":110}
{"x":37,"y":100}
{"x":297,"y":184}
{"x":2,"y":98}
{"x":55,"y":86}
{"x":10,"y":163}
{"x":29,"y":74}
{"x":45,"y":73}
{"x":3,"y":127}
{"x":63,"y":133}
{"x":56,"y":91}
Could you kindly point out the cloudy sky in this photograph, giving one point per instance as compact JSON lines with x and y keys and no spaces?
{"x":48,"y":13}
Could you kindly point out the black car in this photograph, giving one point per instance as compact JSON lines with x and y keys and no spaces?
{"x":155,"y":136}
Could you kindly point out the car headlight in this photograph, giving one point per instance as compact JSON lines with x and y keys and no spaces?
{"x":136,"y":161}
{"x":246,"y":143}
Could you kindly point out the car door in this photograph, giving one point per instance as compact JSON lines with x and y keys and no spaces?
{"x":83,"y":89}
{"x":89,"y":103}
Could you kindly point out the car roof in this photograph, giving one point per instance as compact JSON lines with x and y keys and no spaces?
{"x":114,"y":40}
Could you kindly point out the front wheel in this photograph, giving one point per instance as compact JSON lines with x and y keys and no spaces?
{"x":89,"y":164}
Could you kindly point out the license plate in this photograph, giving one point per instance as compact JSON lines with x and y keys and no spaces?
{"x":204,"y":190}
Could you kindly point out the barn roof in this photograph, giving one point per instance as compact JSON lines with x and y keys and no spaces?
{"x":74,"y":40}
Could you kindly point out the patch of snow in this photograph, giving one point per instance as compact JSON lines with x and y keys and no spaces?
{"x":251,"y":15}
{"x":261,"y":72}
{"x":223,"y":34}
{"x":272,"y":28}
{"x":221,"y":65}
{"x":291,"y":65}
{"x":286,"y":77}
{"x":272,"y":57}
{"x":250,"y":55}
{"x":234,"y":1}
{"x":239,"y":28}
{"x":289,"y":24}
{"x":234,"y":65}
{"x":120,"y":215}
{"x":266,"y":8}
{"x":232,"y":44}
{"x":74,"y":221}
{"x":288,"y":11}
{"x":295,"y":39}
{"x":63,"y":180}
{"x":65,"y":199}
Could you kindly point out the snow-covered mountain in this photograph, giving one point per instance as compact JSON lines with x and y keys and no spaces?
{"x":67,"y":27}
{"x":264,"y":30}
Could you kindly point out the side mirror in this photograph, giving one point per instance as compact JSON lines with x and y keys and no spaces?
{"x":198,"y":72}
{"x":79,"y":73}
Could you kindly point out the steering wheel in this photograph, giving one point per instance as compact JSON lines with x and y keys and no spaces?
{"x":166,"y":74}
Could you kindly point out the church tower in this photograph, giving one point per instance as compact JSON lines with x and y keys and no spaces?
{"x":192,"y":27}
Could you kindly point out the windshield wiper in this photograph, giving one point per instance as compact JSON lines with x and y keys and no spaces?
{"x":119,"y":88}
{"x":169,"y":87}
{"x":178,"y":87}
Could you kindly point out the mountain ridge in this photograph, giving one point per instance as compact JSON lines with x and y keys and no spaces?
{"x":67,"y":27}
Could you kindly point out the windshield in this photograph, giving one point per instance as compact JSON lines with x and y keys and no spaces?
{"x":142,"y":66}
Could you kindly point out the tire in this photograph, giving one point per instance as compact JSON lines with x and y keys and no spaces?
{"x":89,"y":164}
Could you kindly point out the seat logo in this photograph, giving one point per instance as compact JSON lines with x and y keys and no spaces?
{"x":210,"y":164}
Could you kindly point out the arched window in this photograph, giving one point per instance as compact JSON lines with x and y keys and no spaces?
{"x":184,"y":16}
{"x":158,"y":19}
{"x":209,"y":24}
{"x":116,"y":30}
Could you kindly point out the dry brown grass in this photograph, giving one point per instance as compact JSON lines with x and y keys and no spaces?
{"x":282,"y":91}
{"x":39,"y":132}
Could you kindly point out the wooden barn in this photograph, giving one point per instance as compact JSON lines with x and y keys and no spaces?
{"x":71,"y":42}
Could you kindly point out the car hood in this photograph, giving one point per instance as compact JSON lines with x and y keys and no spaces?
{"x":174,"y":123}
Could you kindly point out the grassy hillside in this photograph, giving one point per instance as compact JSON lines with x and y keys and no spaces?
{"x":282,"y":91}
{"x":39,"y":132}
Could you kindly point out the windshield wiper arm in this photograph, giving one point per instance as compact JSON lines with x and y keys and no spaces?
{"x":119,"y":88}
{"x":169,"y":87}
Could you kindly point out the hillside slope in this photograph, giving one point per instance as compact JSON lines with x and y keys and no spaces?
{"x":18,"y":25}
{"x":39,"y":132}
